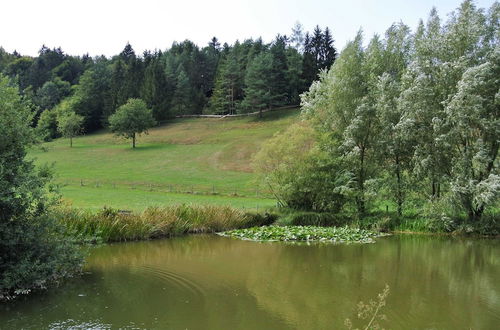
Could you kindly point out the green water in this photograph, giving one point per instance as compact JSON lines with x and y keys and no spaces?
{"x":210,"y":282}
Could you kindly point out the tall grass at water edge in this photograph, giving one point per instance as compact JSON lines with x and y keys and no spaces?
{"x":110,"y":225}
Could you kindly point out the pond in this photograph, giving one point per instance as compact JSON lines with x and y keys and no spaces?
{"x":211,"y":282}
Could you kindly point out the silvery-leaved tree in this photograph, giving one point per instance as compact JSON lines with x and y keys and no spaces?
{"x":421,"y":99}
{"x":473,"y":132}
{"x":340,"y":107}
{"x":393,"y":145}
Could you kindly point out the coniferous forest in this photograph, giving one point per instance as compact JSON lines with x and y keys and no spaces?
{"x":185,"y":79}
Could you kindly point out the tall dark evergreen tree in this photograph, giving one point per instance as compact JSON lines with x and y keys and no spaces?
{"x":258,"y":84}
{"x":309,"y":70}
{"x":228,"y":86}
{"x":329,"y":53}
{"x":155,"y":87}
{"x":182,"y":101}
{"x":279,"y":81}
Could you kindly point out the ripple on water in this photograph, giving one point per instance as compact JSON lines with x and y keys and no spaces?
{"x":180,"y":281}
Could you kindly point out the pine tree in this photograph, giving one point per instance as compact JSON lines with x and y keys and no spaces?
{"x":117,"y":91}
{"x":228,"y":86}
{"x":309,"y":70}
{"x":155,"y":87}
{"x":258,"y":84}
{"x":297,"y":37}
{"x":279,"y":82}
{"x":182,"y":101}
{"x":329,"y":53}
{"x":294,"y":75}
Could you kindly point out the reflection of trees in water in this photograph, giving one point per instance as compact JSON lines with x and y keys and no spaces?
{"x":434,"y":280}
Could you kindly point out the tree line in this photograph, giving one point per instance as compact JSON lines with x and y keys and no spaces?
{"x":412,"y":118}
{"x":186,"y":79}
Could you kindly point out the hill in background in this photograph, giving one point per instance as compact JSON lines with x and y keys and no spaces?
{"x":199,"y":160}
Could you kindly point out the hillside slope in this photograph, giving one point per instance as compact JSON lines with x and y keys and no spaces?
{"x":201,"y":160}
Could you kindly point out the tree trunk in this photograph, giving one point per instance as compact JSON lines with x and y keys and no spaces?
{"x":360,"y":199}
{"x":436,"y":189}
{"x":133,"y":140}
{"x":475,"y":214}
{"x":399,"y":193}
{"x":71,"y":142}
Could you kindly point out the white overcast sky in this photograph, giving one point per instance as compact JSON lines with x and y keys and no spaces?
{"x":105,"y":26}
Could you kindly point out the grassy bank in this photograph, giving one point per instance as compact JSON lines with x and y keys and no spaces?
{"x":189,"y":157}
{"x":111,"y":225}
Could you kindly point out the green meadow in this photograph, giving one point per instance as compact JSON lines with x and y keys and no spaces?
{"x":189,"y":160}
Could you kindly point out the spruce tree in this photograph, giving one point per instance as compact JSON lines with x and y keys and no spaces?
{"x":258,"y":84}
{"x":155,"y":87}
{"x":279,"y":82}
{"x":182,"y":101}
{"x":228,"y":86}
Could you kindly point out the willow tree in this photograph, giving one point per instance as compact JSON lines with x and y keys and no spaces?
{"x":394,"y":146}
{"x":340,"y":106}
{"x":473,"y":122}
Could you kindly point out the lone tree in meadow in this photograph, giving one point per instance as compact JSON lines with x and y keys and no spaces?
{"x":131,"y":119}
{"x":69,"y":124}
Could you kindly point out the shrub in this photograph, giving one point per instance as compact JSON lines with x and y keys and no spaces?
{"x":303,"y":218}
{"x":33,"y":251}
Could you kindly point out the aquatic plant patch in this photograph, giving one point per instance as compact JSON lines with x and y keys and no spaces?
{"x":304,"y":233}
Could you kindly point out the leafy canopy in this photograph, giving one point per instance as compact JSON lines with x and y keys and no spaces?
{"x":132,"y":118}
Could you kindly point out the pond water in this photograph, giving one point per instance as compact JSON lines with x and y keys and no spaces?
{"x":211,"y":282}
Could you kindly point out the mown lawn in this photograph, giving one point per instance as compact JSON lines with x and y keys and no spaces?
{"x":198,"y":160}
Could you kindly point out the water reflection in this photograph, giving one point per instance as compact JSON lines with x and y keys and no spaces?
{"x":209,"y":282}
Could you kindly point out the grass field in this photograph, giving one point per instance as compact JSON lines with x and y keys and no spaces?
{"x":196,"y":160}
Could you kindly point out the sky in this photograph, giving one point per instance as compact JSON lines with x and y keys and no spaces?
{"x":105,"y":26}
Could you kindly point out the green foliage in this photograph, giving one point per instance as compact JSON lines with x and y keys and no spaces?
{"x":278,"y":84}
{"x":156,"y":88}
{"x":228,"y":89}
{"x":320,"y":219}
{"x":408,"y":113}
{"x":257,"y":80}
{"x":304,"y":233}
{"x":91,"y":97}
{"x":131,"y":119}
{"x":299,"y":175}
{"x":46,"y":127}
{"x":473,"y":120}
{"x":319,"y":53}
{"x":183,"y":98}
{"x":34,"y":252}
{"x":69,"y":124}
{"x":51,"y":93}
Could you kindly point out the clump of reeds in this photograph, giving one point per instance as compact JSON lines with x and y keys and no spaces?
{"x":110,"y":225}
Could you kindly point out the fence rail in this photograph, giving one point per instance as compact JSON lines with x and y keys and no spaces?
{"x":256,"y":192}
{"x":236,"y":115}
